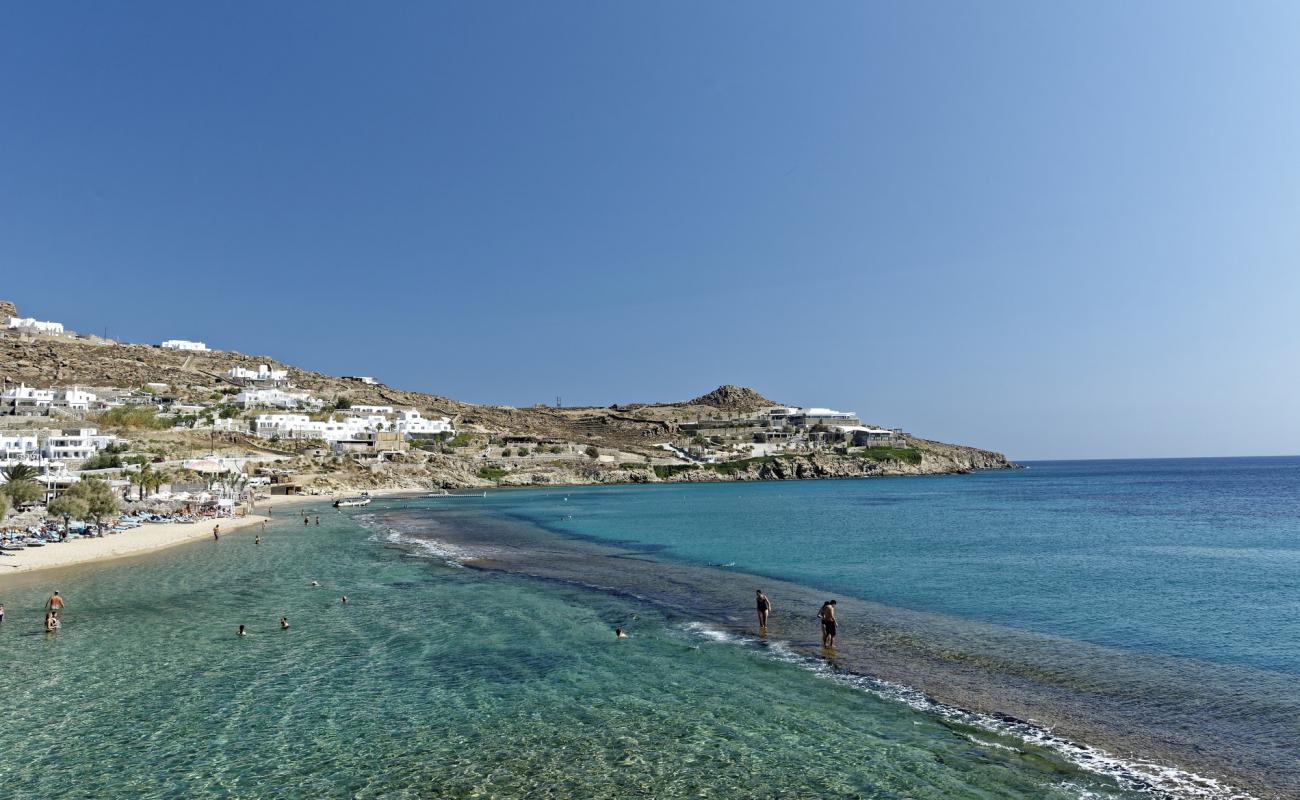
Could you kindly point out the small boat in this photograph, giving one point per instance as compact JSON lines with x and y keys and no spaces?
{"x":350,"y":502}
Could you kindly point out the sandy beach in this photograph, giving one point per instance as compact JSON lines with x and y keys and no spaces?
{"x":143,"y":539}
{"x":151,"y":537}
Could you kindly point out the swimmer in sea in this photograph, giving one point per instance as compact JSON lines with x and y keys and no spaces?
{"x":242,"y":632}
{"x":257,"y":539}
{"x":318,"y":520}
{"x":345,"y":599}
{"x":619,"y":634}
{"x":315,"y":584}
{"x":284,"y":623}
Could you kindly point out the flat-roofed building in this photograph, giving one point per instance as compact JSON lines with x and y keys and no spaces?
{"x":184,"y":344}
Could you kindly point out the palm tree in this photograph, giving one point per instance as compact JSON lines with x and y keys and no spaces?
{"x":143,"y":479}
{"x":20,"y":472}
{"x":155,"y":481}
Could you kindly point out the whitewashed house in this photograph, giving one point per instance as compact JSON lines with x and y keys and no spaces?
{"x":262,"y":373}
{"x":283,"y":425}
{"x":300,"y":426}
{"x":74,"y":399}
{"x":275,"y":398}
{"x":366,"y":379}
{"x":24,"y":399}
{"x":75,"y":444}
{"x":411,"y":423}
{"x":31,"y":325}
{"x":364,"y":409}
{"x":19,"y":447}
{"x":184,"y":344}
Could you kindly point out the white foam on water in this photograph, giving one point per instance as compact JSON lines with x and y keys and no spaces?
{"x":450,"y":554}
{"x":1158,"y":780}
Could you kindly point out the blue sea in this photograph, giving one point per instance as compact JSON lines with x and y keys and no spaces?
{"x":1101,"y":629}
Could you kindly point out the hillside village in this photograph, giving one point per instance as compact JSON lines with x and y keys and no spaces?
{"x":74,"y":405}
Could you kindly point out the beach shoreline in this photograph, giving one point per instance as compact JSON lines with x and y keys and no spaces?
{"x":151,"y":538}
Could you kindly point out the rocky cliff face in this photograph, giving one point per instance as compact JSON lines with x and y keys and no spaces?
{"x":7,"y":310}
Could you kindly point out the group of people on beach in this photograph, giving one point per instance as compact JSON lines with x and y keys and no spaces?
{"x":826,"y":614}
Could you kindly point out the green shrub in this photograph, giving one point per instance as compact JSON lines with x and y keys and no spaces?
{"x":103,"y":460}
{"x":142,"y":417}
{"x":491,"y":473}
{"x":907,"y":455}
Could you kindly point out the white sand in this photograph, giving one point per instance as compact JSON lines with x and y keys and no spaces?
{"x":149,"y":537}
{"x":137,"y":540}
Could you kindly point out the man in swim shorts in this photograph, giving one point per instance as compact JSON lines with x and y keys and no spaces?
{"x":827,"y":616}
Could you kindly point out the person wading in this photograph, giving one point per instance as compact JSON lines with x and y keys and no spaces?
{"x":827,"y":616}
{"x":764,"y":608}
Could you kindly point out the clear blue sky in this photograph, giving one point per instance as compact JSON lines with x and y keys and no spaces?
{"x":1052,"y":229}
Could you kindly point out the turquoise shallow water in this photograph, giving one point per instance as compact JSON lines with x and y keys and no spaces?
{"x":436,"y":681}
{"x":1144,"y":607}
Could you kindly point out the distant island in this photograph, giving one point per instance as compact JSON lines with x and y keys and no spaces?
{"x":84,"y":402}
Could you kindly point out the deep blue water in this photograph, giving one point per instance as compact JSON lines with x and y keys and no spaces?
{"x":1197,"y":558}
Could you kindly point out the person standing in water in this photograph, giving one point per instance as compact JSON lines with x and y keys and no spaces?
{"x":827,"y":616}
{"x":55,"y":603}
{"x":317,"y":519}
{"x":257,"y":539}
{"x":216,"y":533}
{"x":242,"y":632}
{"x":764,"y":608}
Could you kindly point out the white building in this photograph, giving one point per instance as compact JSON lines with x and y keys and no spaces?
{"x":283,"y":425}
{"x":17,"y":447}
{"x":411,"y":423}
{"x":262,"y":373}
{"x":75,"y":444}
{"x":74,"y":399}
{"x":31,"y":325}
{"x":300,"y":426}
{"x":275,"y":398}
{"x":808,"y":417}
{"x":183,"y":344}
{"x":362,"y":409}
{"x":26,"y":399}
{"x":366,"y":379}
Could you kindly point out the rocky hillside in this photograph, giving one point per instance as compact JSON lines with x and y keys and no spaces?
{"x":733,"y":398}
{"x":625,"y":433}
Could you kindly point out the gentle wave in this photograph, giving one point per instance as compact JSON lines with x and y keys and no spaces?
{"x":1160,"y":781}
{"x":449,"y":554}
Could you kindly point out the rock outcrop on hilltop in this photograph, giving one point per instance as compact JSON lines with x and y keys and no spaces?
{"x":7,"y":310}
{"x":733,"y":398}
